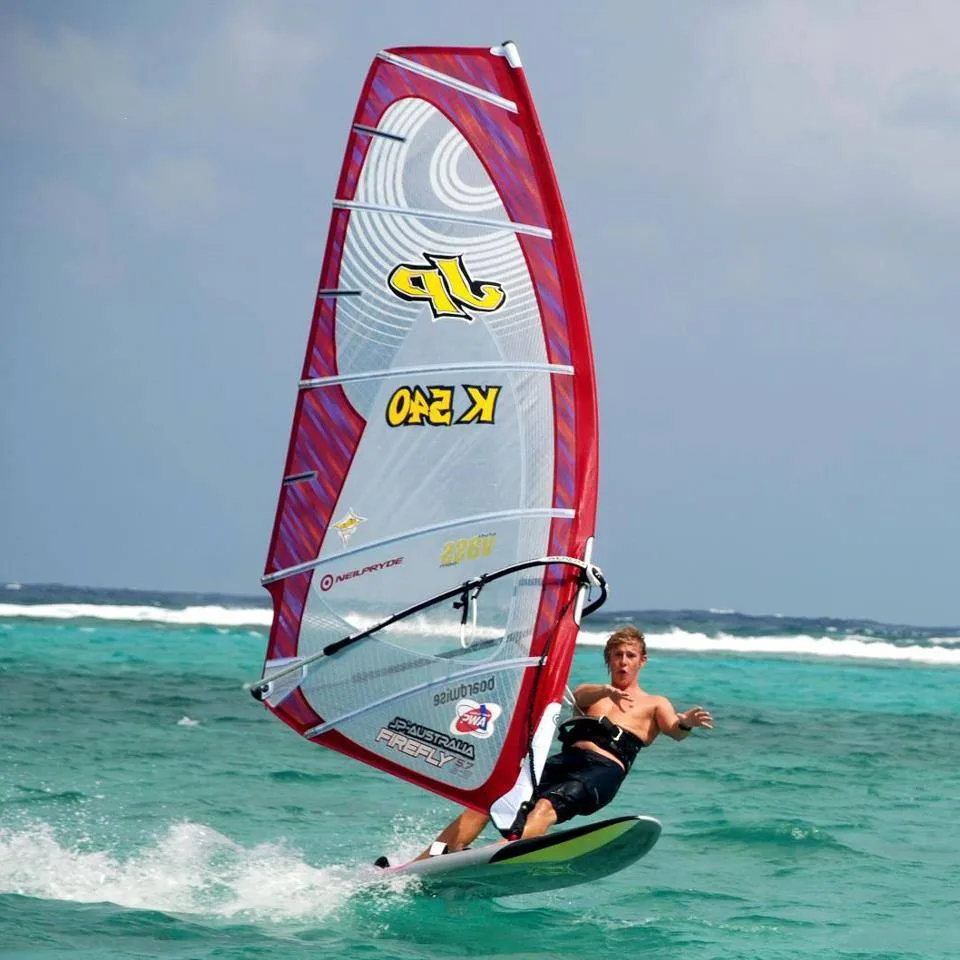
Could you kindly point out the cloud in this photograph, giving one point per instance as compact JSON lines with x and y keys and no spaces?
{"x":72,"y":220}
{"x":777,"y":106}
{"x":256,"y":63}
{"x":173,"y":192}
{"x":143,"y":124}
{"x":46,"y":80}
{"x":250,"y":62}
{"x":827,"y":103}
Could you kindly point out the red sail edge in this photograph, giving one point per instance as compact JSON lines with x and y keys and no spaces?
{"x":327,"y":431}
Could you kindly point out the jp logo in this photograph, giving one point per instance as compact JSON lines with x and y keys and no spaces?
{"x":445,"y":284}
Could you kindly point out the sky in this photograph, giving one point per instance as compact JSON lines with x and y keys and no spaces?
{"x":765,"y":203}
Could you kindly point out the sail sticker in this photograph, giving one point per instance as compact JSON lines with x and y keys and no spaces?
{"x":347,"y":527}
{"x":418,"y":406}
{"x":473,"y":688}
{"x":474,"y":719}
{"x":454,"y":552}
{"x":473,"y":433}
{"x":433,"y":747}
{"x":328,"y":580}
{"x":443,"y":282}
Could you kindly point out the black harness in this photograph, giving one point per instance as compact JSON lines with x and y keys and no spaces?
{"x":605,"y":734}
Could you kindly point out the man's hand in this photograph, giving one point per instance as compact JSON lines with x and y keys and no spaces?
{"x":619,"y":697}
{"x":696,"y":717}
{"x":587,"y":694}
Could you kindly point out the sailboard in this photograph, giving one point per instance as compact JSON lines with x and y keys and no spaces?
{"x":431,"y":555}
{"x":564,"y":858}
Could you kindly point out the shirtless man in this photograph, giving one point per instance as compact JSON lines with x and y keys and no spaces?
{"x":617,"y":720}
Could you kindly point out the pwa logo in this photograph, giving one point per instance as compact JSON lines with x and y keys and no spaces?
{"x":445,"y":284}
{"x":474,"y":719}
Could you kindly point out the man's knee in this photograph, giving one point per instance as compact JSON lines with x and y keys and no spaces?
{"x":544,"y":808}
{"x":567,"y":800}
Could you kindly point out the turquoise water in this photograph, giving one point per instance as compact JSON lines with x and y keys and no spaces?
{"x":150,"y":808}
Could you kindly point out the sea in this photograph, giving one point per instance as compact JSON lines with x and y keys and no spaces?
{"x":149,"y":807}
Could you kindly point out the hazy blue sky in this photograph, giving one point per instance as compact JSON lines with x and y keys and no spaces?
{"x":765,"y":200}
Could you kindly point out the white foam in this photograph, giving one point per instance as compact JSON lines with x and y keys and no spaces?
{"x":945,"y":641}
{"x":941,"y":651}
{"x":217,"y":616}
{"x":192,"y":869}
{"x":852,"y":647}
{"x":193,"y":616}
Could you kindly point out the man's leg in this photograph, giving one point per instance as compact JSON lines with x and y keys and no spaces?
{"x":461,"y":832}
{"x":542,"y":817}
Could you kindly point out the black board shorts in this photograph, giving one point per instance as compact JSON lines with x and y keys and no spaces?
{"x":579,"y":782}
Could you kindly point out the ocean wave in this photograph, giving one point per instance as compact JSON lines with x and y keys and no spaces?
{"x":862,"y":645}
{"x":28,"y":796}
{"x":850,"y":647}
{"x":775,"y":833}
{"x":219,"y":616}
{"x":214,"y":616}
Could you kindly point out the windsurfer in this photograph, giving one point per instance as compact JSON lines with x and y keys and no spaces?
{"x":616,"y":720}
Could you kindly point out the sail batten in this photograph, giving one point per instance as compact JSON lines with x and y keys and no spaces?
{"x":374,"y":132}
{"x":443,"y":456}
{"x":418,"y":532}
{"x":478,"y":366}
{"x":426,"y":214}
{"x":322,"y":294}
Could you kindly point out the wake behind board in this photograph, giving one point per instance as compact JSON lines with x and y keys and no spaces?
{"x":565,"y":858}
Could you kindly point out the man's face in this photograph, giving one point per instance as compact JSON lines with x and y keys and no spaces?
{"x":625,"y":663}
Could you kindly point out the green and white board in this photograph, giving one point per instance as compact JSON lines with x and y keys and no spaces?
{"x":564,"y":858}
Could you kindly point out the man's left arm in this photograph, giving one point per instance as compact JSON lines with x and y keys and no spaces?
{"x":678,"y":726}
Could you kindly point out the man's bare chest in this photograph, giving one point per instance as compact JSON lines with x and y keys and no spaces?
{"x":638,"y":717}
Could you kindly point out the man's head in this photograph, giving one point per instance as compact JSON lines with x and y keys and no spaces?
{"x":624,"y":654}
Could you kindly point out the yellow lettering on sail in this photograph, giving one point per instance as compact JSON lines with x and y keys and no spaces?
{"x":418,"y":283}
{"x":416,"y":406}
{"x":480,"y":295}
{"x":483,"y":404}
{"x":444,"y":283}
{"x":454,"y":552}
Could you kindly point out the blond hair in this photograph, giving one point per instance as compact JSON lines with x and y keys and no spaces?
{"x":628,"y":633}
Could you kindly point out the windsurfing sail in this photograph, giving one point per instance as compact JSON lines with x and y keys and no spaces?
{"x":432,"y":540}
